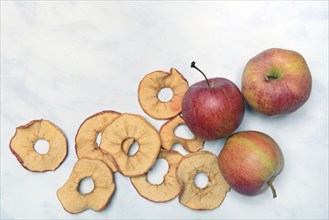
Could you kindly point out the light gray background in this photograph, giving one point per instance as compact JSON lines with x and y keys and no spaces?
{"x":64,"y":61}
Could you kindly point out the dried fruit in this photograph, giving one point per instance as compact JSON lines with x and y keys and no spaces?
{"x":22,"y":146}
{"x":126,"y":127}
{"x":168,"y":137}
{"x":168,"y":189}
{"x":212,"y":195}
{"x":149,"y":88}
{"x":85,"y":141}
{"x":75,"y":202}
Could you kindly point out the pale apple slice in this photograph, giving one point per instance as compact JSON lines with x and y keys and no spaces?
{"x":168,"y":189}
{"x":127,"y":127}
{"x":22,"y":146}
{"x":86,"y":138}
{"x":75,"y":202}
{"x":149,"y":88}
{"x":169,"y":139}
{"x":193,"y":197}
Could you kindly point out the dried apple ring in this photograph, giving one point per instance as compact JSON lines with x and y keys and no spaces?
{"x":75,"y":202}
{"x":131,"y":126}
{"x":149,"y":88}
{"x":168,"y":189}
{"x":193,"y":197}
{"x":22,"y":146}
{"x":168,"y":137}
{"x":85,"y":140}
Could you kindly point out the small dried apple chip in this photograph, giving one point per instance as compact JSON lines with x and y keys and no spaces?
{"x":169,"y":139}
{"x":168,"y":189}
{"x":128,"y":127}
{"x":22,"y":146}
{"x":193,"y":197}
{"x":86,"y":138}
{"x":75,"y":202}
{"x":149,"y":88}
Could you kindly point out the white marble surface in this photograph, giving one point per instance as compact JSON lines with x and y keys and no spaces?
{"x":64,"y":61}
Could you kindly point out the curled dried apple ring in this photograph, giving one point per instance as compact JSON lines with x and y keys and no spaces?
{"x":213,"y":194}
{"x":75,"y":202}
{"x":149,"y":88}
{"x":168,"y":137}
{"x":168,"y":189}
{"x":127,"y":127}
{"x":85,"y":140}
{"x":22,"y":146}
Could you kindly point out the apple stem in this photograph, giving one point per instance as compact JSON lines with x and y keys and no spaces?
{"x":194,"y":66}
{"x":273,"y":74}
{"x":272,"y":188}
{"x":267,"y":78}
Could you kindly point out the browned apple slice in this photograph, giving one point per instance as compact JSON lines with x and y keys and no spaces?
{"x":149,"y":88}
{"x":85,"y":140}
{"x":193,"y":197}
{"x":75,"y":202}
{"x":22,"y":146}
{"x":131,"y":126}
{"x":168,"y":137}
{"x":168,"y":189}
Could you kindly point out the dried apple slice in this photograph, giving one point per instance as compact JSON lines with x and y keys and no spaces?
{"x":131,"y":126}
{"x":193,"y":197}
{"x":75,"y":202}
{"x":149,"y":88}
{"x":85,"y":140}
{"x":22,"y":146}
{"x":168,"y":189}
{"x":168,"y":137}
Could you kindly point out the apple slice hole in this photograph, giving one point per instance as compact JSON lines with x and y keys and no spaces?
{"x":134,"y":147}
{"x":165,"y":94}
{"x":98,"y":138}
{"x":41,"y":146}
{"x":86,"y":185}
{"x":201,"y":180}
{"x":183,"y":131}
{"x":158,"y":171}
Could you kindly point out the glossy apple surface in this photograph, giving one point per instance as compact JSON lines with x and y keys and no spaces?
{"x":213,"y":111}
{"x":276,"y":81}
{"x":250,"y":161}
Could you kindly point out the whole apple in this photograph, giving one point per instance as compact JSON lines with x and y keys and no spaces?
{"x":214,"y":108}
{"x":250,"y":161}
{"x":276,"y":81}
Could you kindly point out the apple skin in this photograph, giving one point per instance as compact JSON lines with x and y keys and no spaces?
{"x":276,"y":81}
{"x":250,"y":161}
{"x":213,"y":112}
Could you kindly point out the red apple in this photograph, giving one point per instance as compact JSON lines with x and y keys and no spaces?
{"x":276,"y":81}
{"x":250,"y":161}
{"x":214,"y":108}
